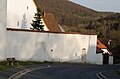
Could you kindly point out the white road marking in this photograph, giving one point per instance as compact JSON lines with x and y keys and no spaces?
{"x":101,"y":76}
{"x":25,"y":71}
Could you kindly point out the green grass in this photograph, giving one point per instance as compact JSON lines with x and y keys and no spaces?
{"x":4,"y":66}
{"x":24,"y":63}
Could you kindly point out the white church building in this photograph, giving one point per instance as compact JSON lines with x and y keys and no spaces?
{"x":17,"y":40}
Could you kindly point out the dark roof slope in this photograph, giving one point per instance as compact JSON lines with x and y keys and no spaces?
{"x":51,"y":22}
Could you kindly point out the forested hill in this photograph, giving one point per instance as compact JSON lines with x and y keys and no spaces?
{"x":115,"y":16}
{"x":107,"y":25}
{"x":71,"y":16}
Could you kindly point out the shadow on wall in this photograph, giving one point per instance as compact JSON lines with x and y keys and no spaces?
{"x":24,"y":22}
{"x":41,"y":53}
{"x":79,"y":44}
{"x":86,"y":56}
{"x":91,"y":55}
{"x":37,"y":45}
{"x":49,"y":48}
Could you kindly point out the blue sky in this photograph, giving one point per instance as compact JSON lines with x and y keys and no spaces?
{"x":101,"y":5}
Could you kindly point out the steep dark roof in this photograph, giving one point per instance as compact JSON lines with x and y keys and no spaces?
{"x":51,"y":22}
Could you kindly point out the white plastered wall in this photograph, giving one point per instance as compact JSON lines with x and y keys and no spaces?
{"x":51,"y":46}
{"x":99,"y":59}
{"x":3,"y":24}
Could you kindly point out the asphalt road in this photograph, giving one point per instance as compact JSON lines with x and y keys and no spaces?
{"x":70,"y":71}
{"x":61,"y":71}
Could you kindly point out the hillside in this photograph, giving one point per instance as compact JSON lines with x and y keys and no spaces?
{"x":115,"y":16}
{"x":107,"y":24}
{"x":71,"y":16}
{"x":113,"y":21}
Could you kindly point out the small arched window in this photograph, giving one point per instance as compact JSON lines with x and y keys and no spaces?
{"x":83,"y":51}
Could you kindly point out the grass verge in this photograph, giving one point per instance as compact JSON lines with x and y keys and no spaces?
{"x":4,"y":66}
